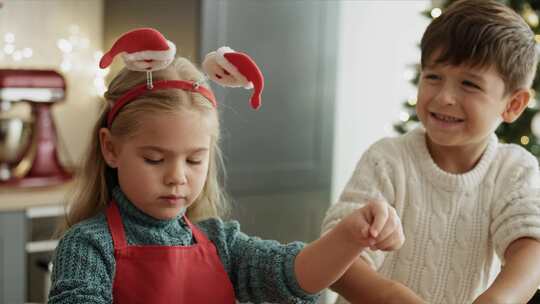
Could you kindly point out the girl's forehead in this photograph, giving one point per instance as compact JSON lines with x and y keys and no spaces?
{"x":174,"y":129}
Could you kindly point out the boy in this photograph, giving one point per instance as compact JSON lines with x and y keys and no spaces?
{"x":465,"y":200}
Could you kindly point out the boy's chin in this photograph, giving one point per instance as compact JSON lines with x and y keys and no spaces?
{"x":440,"y":139}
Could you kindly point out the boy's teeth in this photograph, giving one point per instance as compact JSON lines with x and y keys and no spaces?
{"x":446,"y":118}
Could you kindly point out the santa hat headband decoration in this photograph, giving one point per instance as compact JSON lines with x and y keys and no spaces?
{"x":146,"y":50}
{"x":234,"y":69}
{"x":142,"y":49}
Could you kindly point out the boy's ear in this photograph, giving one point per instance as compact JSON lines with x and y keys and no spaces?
{"x":107,"y":147}
{"x":517,"y":104}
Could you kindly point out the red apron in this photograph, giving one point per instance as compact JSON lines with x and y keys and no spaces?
{"x":167,"y":274}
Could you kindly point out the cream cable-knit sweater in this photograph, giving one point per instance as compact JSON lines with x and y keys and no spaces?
{"x":455,"y":225}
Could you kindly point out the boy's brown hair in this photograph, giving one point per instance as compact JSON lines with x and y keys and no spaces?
{"x":483,"y":33}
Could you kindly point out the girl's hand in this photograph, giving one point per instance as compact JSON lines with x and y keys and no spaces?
{"x":375,"y":225}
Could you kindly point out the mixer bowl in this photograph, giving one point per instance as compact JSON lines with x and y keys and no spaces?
{"x":15,"y":135}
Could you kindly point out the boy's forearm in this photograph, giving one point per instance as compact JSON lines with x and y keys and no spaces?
{"x":519,"y":278}
{"x":362,"y":284}
{"x":324,"y":261}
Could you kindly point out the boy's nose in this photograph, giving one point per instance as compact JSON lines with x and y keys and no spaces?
{"x":176,"y":175}
{"x":445,"y":97}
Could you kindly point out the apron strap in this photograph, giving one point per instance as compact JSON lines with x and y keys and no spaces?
{"x":116,"y":226}
{"x":197,"y":233}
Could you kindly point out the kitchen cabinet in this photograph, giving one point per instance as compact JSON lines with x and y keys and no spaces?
{"x":18,"y":209}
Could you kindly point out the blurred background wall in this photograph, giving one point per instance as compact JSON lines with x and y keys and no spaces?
{"x":376,"y":62}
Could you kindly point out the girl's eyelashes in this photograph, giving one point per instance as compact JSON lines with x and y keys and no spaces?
{"x":152,"y":161}
{"x":194,"y":161}
{"x":155,"y":161}
{"x":197,"y":158}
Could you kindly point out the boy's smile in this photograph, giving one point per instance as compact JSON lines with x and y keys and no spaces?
{"x":446,"y":121}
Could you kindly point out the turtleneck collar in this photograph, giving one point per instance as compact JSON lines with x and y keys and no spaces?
{"x":132,"y":213}
{"x":451,"y":182}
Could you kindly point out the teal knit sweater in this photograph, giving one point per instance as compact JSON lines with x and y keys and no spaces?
{"x":83,"y":264}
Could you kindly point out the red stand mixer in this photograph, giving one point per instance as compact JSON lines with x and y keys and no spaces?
{"x":28,"y":147}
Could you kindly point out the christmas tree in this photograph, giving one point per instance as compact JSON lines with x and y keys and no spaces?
{"x":526,"y":130}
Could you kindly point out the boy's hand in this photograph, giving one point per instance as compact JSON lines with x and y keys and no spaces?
{"x":375,"y":225}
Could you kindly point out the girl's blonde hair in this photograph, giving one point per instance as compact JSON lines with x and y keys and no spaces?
{"x":92,"y":193}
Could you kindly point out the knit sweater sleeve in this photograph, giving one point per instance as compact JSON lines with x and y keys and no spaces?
{"x":517,"y":213}
{"x":82,"y":266}
{"x":261,"y":271}
{"x":371,"y":180}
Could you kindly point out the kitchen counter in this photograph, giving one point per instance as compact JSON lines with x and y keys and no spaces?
{"x":19,"y":199}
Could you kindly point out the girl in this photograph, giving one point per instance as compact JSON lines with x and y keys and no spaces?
{"x":152,"y":170}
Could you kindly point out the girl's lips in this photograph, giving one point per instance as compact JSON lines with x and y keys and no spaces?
{"x":173,"y":200}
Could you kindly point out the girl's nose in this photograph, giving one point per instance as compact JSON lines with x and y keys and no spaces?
{"x":176,"y":175}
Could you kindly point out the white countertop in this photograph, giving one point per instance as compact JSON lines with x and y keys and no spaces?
{"x":20,"y":199}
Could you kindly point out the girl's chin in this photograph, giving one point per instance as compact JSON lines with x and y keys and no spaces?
{"x":170,"y":214}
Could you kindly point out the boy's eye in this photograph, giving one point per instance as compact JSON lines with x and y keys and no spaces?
{"x":432,"y":77}
{"x":470,"y":84}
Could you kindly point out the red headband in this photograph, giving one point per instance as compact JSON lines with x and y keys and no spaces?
{"x":146,"y":50}
{"x":158,"y":85}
